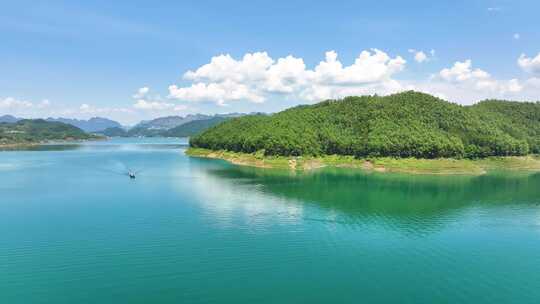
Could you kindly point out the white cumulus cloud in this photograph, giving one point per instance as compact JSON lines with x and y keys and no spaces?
{"x":10,"y":103}
{"x":462,"y":73}
{"x":146,"y":102}
{"x":141,"y":92}
{"x":421,"y":56}
{"x":533,"y":82}
{"x":142,"y":104}
{"x":465,"y":84}
{"x":256,"y":77}
{"x":220,"y":92}
{"x":93,"y":110}
{"x":43,"y":104}
{"x":531,"y":65}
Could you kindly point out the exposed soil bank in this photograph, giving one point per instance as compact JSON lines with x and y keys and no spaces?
{"x":442,"y":166}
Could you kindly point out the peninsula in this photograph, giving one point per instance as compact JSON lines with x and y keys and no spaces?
{"x":36,"y":131}
{"x":406,"y":132}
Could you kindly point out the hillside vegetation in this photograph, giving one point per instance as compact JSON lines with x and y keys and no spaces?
{"x":408,"y":124}
{"x":194,"y":127}
{"x":28,"y":131}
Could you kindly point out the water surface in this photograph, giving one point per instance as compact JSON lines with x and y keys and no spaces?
{"x":75,"y":230}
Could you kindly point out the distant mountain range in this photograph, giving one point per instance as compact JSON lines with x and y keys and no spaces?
{"x":94,"y":124}
{"x":157,"y":126}
{"x":170,"y":126}
{"x":169,"y":122}
{"x":161,"y":126}
{"x":114,"y":132}
{"x":194,"y":127}
{"x":8,"y":119}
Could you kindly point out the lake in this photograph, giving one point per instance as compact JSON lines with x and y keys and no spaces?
{"x":74,"y":229}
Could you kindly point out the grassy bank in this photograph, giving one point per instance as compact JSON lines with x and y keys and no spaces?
{"x":385,"y":164}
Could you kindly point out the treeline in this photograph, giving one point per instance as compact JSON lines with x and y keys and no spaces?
{"x":408,"y":124}
{"x":39,"y":130}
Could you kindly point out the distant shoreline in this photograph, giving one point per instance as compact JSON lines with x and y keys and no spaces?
{"x":51,"y":142}
{"x":441,"y":166}
{"x":19,"y":145}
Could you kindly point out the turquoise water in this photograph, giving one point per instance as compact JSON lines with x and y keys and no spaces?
{"x":188,"y":230}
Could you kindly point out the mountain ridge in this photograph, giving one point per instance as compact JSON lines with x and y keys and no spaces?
{"x":93,"y":124}
{"x":161,"y":125}
{"x":194,"y":127}
{"x":9,"y":119}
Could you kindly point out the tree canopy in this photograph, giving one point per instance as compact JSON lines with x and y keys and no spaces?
{"x":409,"y":124}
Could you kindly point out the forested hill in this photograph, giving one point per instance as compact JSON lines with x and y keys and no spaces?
{"x":408,"y":124}
{"x":194,"y":127}
{"x":38,"y":130}
{"x":519,"y":119}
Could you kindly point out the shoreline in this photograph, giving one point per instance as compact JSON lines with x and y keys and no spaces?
{"x":51,"y":142}
{"x":19,"y":145}
{"x":441,"y":166}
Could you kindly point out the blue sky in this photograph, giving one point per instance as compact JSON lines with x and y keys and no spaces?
{"x":119,"y":59}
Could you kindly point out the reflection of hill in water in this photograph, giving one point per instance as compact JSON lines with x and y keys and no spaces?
{"x":400,"y":199}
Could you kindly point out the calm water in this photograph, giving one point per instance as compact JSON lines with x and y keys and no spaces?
{"x":186,"y":230}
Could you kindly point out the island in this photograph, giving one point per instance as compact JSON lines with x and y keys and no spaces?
{"x":36,"y":131}
{"x":409,"y":132}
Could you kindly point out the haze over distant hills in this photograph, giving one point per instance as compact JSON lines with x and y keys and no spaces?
{"x":93,"y":124}
{"x":194,"y":127}
{"x":170,"y":126}
{"x":160,"y":126}
{"x":169,"y":122}
{"x":114,"y":132}
{"x":156,"y":126}
{"x":8,"y":119}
